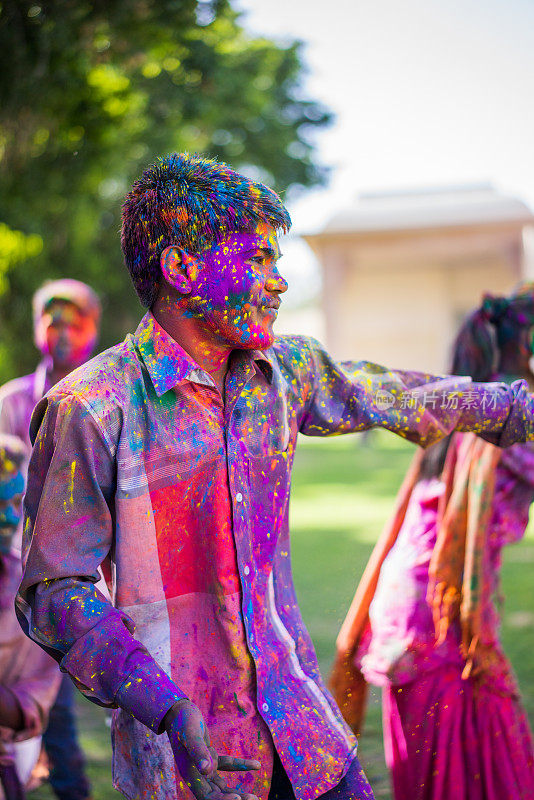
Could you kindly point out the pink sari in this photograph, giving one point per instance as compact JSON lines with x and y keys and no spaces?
{"x":424,"y":626}
{"x":446,"y":738}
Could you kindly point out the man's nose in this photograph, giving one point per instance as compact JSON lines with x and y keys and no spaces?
{"x":275,"y":283}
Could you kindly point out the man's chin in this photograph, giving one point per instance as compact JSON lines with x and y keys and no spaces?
{"x":254,"y":338}
{"x":259,"y":340}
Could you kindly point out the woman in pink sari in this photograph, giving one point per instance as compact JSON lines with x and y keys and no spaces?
{"x":423,"y":623}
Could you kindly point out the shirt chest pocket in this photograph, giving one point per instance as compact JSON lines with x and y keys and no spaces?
{"x":174,"y":451}
{"x":263,"y":425}
{"x":269,"y":480}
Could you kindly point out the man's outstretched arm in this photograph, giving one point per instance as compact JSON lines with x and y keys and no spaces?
{"x":68,"y":532}
{"x":355,"y":396}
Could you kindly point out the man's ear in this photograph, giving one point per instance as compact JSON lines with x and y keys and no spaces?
{"x":179,"y":268}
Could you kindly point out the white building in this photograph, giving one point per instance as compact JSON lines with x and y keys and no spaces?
{"x":401,"y":270}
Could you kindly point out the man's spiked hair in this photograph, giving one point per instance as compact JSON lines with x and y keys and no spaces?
{"x":191,"y":202}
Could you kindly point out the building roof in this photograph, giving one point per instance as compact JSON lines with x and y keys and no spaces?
{"x":440,"y":207}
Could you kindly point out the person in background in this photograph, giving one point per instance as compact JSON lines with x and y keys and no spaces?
{"x":423,"y":623}
{"x":29,"y":677}
{"x":66,"y":317}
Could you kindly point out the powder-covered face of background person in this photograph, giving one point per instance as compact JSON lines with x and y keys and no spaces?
{"x":236,"y":292}
{"x":66,"y":334}
{"x":11,"y":490}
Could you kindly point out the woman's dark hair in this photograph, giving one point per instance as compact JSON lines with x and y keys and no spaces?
{"x":477,"y":348}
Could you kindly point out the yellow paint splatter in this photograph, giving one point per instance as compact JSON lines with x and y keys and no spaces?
{"x":71,"y":488}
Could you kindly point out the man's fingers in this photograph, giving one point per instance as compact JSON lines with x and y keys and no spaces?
{"x":206,"y":788}
{"x":231,"y":764}
{"x":188,"y":729}
{"x":219,"y":780}
{"x":199,"y":786}
{"x":199,"y":753}
{"x":219,"y":789}
{"x":214,"y":792}
{"x":191,"y":756}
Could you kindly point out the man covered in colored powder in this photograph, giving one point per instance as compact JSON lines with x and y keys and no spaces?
{"x":66,"y":316}
{"x":29,"y":678}
{"x":171,"y":454}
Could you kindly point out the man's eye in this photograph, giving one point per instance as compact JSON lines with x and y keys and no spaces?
{"x":257,"y":259}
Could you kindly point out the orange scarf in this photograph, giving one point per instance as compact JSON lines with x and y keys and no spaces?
{"x":459,"y":574}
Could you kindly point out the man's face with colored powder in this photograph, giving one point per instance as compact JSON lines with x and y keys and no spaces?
{"x":236,"y":293}
{"x":67,"y":334}
{"x":11,"y":490}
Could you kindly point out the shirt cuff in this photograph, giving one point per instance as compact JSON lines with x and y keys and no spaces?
{"x":148,"y":693}
{"x":519,"y":426}
{"x":518,"y":423}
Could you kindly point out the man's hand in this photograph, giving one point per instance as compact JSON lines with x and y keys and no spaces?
{"x":196,"y":760}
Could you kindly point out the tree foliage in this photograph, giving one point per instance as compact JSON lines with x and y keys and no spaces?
{"x":91,"y":91}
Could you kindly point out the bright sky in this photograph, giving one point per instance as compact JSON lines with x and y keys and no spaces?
{"x":426,"y":93}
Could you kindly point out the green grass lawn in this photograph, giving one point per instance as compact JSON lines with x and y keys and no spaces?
{"x":343,"y":489}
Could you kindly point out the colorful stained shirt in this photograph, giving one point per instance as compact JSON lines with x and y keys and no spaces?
{"x":138,"y":458}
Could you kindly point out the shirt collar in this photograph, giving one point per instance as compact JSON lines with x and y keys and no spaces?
{"x":256,"y":358}
{"x":41,"y":379}
{"x":167,"y":362}
{"x":263,"y":363}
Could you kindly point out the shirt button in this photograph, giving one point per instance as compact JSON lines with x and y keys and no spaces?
{"x":265,"y":707}
{"x":246,"y":570}
{"x":239,"y":497}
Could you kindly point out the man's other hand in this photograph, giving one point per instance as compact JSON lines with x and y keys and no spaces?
{"x":197,"y":760}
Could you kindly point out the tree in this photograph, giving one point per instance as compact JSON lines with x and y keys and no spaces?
{"x":90,"y":93}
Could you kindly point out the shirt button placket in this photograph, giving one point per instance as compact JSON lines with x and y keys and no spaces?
{"x":238,"y":497}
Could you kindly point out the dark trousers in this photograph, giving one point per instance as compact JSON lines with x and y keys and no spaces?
{"x":281,"y":788}
{"x":353,"y":786}
{"x":11,"y":784}
{"x":67,"y":762}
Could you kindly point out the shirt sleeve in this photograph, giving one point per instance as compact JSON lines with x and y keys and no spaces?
{"x":356,"y":396}
{"x":35,"y":691}
{"x":8,"y":416}
{"x":68,"y":531}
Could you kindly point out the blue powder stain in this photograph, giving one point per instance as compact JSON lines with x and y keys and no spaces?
{"x":295,"y":755}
